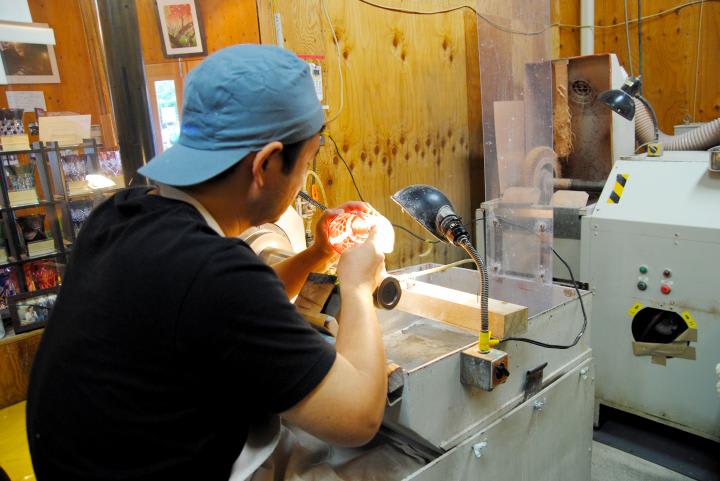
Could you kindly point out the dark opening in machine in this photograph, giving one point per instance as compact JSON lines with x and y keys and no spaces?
{"x":657,"y":326}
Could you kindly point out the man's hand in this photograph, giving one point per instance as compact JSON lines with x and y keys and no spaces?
{"x":294,"y":270}
{"x":322,"y":242}
{"x":362,"y":267}
{"x":347,"y":407}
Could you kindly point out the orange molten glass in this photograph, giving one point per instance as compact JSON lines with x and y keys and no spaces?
{"x":351,"y":228}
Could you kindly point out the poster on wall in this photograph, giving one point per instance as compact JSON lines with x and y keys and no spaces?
{"x":29,"y":63}
{"x":181,"y":28}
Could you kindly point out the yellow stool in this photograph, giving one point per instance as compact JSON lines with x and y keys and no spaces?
{"x":14,"y":451}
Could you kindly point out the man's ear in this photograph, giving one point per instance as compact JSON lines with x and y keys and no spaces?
{"x":262,"y":159}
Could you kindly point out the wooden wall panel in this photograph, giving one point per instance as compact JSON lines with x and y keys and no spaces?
{"x":566,"y":40}
{"x":669,"y":55}
{"x":16,"y":357}
{"x":77,"y":90}
{"x":225,"y":22}
{"x":405,"y":118}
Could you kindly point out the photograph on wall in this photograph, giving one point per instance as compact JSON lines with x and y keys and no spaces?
{"x":29,"y":63}
{"x":32,"y":310}
{"x":181,"y":28}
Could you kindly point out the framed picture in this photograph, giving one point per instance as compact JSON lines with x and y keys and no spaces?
{"x":32,"y":310}
{"x":29,"y":63}
{"x":181,"y":28}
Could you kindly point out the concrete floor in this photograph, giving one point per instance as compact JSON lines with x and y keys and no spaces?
{"x":610,"y":464}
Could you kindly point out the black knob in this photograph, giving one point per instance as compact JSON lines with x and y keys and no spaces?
{"x":388,"y":293}
{"x":501,"y":371}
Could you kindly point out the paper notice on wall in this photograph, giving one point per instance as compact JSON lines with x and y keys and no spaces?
{"x":316,"y":75}
{"x":26,"y":100}
{"x":278,"y":31}
{"x":65,"y":130}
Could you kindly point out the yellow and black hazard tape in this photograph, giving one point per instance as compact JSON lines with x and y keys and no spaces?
{"x":617,"y":192}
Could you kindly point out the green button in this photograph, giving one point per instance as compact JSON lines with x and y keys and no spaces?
{"x":643,"y":269}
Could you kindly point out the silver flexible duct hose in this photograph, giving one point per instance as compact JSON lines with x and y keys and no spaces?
{"x":467,"y":245}
{"x":701,"y":138}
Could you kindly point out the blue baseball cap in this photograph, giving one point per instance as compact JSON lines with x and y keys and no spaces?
{"x":237,"y":101}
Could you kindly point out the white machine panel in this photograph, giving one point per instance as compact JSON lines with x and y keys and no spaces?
{"x":547,"y":438}
{"x":657,"y":245}
{"x":674,"y":190}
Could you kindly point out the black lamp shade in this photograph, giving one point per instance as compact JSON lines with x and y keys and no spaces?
{"x":427,"y":205}
{"x":620,"y":102}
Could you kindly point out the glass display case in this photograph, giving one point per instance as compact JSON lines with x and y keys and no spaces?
{"x":47,"y":194}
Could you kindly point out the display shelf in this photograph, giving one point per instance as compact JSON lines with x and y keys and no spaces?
{"x":12,"y":262}
{"x":45,"y":197}
{"x":42,"y":203}
{"x":34,"y":214}
{"x":41,"y":150}
{"x":20,"y":152}
{"x":94,"y":194}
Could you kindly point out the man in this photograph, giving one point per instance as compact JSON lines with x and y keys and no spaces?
{"x":172,"y":345}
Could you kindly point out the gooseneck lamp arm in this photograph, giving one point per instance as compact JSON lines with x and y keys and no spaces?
{"x":431,"y":209}
{"x":649,"y":108}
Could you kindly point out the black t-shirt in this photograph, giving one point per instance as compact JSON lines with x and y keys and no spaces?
{"x":165,"y":342}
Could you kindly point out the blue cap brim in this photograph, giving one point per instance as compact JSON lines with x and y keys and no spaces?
{"x":181,"y":165}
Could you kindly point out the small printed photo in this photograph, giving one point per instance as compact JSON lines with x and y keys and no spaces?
{"x":32,"y":227}
{"x":26,"y":59}
{"x":42,"y":274}
{"x":8,"y":285}
{"x":21,"y":176}
{"x":26,"y":63}
{"x":32,"y":310}
{"x":79,"y":212}
{"x":110,"y":164}
{"x":75,"y":167}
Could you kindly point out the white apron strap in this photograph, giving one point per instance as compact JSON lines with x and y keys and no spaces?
{"x":261,"y":441}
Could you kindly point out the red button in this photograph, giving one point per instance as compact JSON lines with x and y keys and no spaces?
{"x":665,"y":289}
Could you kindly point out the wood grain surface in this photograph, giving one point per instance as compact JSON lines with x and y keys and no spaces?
{"x":406,"y":104}
{"x":16,"y":357}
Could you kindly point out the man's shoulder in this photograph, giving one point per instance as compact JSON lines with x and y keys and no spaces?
{"x":167,"y":233}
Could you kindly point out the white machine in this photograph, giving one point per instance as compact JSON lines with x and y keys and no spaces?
{"x":536,"y":425}
{"x":651,"y":252}
{"x":438,"y":425}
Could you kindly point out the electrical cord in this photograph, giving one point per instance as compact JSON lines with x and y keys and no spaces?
{"x":352,"y":177}
{"x":415,"y":235}
{"x":627,"y":39}
{"x":561,"y":25}
{"x":454,"y":9}
{"x":697,"y":60}
{"x":339,"y":63}
{"x":579,"y":296}
{"x":582,"y":307}
{"x":640,"y":49}
{"x":357,"y":189}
